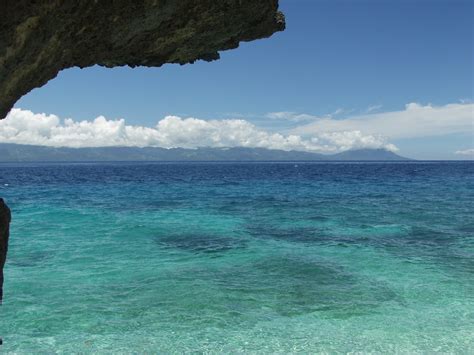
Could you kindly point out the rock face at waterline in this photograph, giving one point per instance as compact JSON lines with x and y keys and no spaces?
{"x":5,"y":218}
{"x":40,"y":38}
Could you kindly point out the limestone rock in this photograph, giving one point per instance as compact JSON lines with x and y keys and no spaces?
{"x":40,"y":38}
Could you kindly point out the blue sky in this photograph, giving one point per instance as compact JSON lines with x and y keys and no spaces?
{"x":337,"y":60}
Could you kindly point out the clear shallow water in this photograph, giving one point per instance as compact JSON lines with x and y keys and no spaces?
{"x":270,"y":258}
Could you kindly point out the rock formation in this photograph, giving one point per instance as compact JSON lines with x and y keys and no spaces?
{"x":5,"y":218}
{"x":40,"y":38}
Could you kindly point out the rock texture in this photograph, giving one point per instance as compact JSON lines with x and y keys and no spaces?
{"x":40,"y":38}
{"x":5,"y":219}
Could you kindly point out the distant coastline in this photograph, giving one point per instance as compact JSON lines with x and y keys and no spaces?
{"x":29,"y":153}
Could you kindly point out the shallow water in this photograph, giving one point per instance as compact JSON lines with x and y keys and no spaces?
{"x":256,"y":257}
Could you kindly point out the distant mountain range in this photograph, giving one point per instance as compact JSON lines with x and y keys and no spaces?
{"x":30,"y":153}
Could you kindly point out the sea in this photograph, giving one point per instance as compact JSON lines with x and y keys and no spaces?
{"x":267,"y":257}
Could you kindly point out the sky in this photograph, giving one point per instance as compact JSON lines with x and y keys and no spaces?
{"x":345,"y":74}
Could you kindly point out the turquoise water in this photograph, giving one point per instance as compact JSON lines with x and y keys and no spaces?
{"x":226,"y":258}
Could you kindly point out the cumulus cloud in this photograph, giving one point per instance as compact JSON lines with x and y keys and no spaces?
{"x":26,"y":127}
{"x":356,"y":140}
{"x":414,"y":121}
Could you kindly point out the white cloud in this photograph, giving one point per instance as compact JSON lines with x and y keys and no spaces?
{"x":373,"y":108}
{"x":290,"y":116}
{"x":465,"y":152}
{"x":414,"y":121}
{"x":356,"y":140}
{"x":300,"y":117}
{"x":338,"y":112}
{"x":26,"y":127}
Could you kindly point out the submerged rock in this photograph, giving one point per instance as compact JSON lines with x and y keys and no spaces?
{"x":40,"y":38}
{"x":5,"y":218}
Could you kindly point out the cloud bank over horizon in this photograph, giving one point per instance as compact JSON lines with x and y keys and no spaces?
{"x":324,"y":134}
{"x":415,"y":121}
{"x":26,"y":127}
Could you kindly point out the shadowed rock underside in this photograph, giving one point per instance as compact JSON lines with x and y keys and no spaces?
{"x":40,"y":38}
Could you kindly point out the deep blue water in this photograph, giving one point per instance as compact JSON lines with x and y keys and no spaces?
{"x":250,"y":257}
